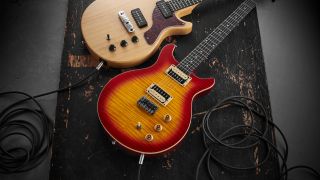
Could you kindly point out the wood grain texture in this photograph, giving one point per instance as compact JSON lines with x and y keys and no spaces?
{"x":119,"y":114}
{"x":101,"y":18}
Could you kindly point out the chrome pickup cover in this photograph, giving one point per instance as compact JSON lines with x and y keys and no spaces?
{"x":159,"y":94}
{"x":126,"y":21}
{"x":177,"y":75}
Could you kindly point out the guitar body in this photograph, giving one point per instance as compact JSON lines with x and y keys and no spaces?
{"x":120,"y":114}
{"x":101,"y":19}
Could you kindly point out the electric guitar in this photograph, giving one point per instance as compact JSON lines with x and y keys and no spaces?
{"x":148,"y":110}
{"x":126,"y":33}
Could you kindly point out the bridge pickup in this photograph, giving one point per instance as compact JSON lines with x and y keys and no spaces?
{"x":159,"y":94}
{"x":147,"y":105}
{"x":126,"y":21}
{"x":139,"y":18}
{"x":176,"y":74}
{"x":164,"y":9}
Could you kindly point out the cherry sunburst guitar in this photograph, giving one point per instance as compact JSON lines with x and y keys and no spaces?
{"x":148,"y":111}
{"x":125,"y":33}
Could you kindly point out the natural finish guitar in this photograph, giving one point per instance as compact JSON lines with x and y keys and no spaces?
{"x":148,"y":110}
{"x":126,"y":33}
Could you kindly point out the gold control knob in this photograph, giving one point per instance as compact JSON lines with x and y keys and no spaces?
{"x":139,"y":126}
{"x":167,"y":118}
{"x":158,"y":127}
{"x":149,"y":137}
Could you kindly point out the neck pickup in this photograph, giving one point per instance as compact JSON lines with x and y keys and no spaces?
{"x":179,"y":76}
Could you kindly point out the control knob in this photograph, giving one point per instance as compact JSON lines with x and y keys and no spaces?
{"x":123,"y":43}
{"x":112,"y":48}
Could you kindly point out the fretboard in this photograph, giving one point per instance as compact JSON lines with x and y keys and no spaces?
{"x":180,"y":4}
{"x":205,"y":48}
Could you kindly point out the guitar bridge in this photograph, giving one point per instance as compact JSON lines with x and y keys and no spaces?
{"x":125,"y":21}
{"x":147,"y":105}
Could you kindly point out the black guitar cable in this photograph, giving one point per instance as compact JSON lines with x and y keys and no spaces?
{"x":32,"y":136}
{"x":244,"y":137}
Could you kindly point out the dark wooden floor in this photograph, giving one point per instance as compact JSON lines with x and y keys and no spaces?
{"x":80,"y":144}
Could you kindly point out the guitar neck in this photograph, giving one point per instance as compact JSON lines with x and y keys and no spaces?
{"x":176,"y":5}
{"x":205,"y":48}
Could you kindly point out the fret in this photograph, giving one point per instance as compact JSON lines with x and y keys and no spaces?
{"x":216,"y":41}
{"x":245,"y":8}
{"x":189,"y":3}
{"x":217,"y":36}
{"x":175,"y":6}
{"x":237,"y":14}
{"x":180,"y":4}
{"x":241,"y":12}
{"x":232,"y":21}
{"x":221,"y":32}
{"x":171,"y":6}
{"x":250,"y":3}
{"x":224,"y":29}
{"x":184,"y":4}
{"x":204,"y":49}
{"x":228,"y":24}
{"x":234,"y":17}
{"x":205,"y":46}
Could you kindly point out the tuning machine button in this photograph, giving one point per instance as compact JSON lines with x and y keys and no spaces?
{"x":167,"y":118}
{"x":157,"y":127}
{"x":135,"y":39}
{"x":149,"y":137}
{"x":123,"y":43}
{"x":112,"y":48}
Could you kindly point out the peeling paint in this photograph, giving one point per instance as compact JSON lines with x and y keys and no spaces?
{"x":256,"y":157}
{"x":167,"y":164}
{"x":78,"y":61}
{"x":88,"y":92}
{"x":66,"y":118}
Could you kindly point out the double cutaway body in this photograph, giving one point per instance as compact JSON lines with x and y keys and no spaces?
{"x":149,"y":110}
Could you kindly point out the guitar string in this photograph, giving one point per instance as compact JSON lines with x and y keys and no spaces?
{"x":194,"y":54}
{"x":157,"y":13}
{"x":194,"y":62}
{"x":212,"y":43}
{"x":205,"y":44}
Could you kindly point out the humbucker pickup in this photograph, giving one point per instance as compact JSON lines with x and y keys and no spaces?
{"x":125,"y":21}
{"x":139,"y":18}
{"x":147,"y":105}
{"x":164,"y":8}
{"x":177,"y":75}
{"x":159,"y":94}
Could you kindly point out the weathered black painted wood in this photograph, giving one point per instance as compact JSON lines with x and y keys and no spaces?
{"x":81,"y":148}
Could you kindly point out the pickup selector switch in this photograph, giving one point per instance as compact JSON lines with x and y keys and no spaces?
{"x":123,"y":43}
{"x":112,"y":48}
{"x":108,"y":37}
{"x":135,"y":39}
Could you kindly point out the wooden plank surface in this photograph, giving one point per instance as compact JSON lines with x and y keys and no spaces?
{"x":81,"y":148}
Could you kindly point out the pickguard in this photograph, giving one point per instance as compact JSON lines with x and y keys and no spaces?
{"x":160,"y":23}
